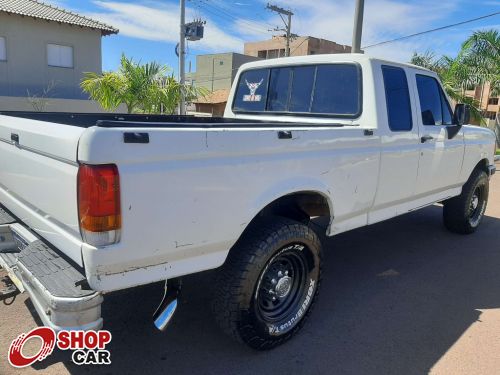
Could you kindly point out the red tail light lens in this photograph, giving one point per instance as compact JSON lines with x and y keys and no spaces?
{"x":99,"y":203}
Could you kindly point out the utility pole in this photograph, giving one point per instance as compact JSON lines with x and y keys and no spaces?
{"x":358,"y":26}
{"x":182,"y":53}
{"x":288,"y":24}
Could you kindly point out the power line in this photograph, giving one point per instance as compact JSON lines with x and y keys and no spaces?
{"x":229,"y":10}
{"x":226,"y":18}
{"x":223,"y":14}
{"x":431,"y":30}
{"x":295,"y":49}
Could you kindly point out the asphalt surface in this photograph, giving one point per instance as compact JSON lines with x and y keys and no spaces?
{"x":399,"y":297}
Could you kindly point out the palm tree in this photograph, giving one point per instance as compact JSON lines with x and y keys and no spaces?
{"x":145,"y":88}
{"x":477,"y":62}
{"x":481,"y":52}
{"x":426,"y":60}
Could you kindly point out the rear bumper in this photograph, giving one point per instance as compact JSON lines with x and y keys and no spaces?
{"x":56,"y":287}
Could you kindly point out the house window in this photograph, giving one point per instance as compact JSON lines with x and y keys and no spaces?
{"x":3,"y":49}
{"x":272,"y":53}
{"x":490,"y":115}
{"x":493,"y":101}
{"x":262,"y":54}
{"x":60,"y":56}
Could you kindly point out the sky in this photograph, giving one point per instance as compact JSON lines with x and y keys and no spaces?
{"x":149,"y":28}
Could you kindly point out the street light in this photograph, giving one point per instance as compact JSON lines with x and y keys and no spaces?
{"x":358,"y":26}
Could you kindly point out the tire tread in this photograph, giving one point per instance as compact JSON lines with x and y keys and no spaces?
{"x":248,"y":253}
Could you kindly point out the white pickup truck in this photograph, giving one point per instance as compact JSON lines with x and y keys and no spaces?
{"x":91,"y":204}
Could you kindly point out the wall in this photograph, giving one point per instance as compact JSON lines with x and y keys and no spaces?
{"x":239,"y":60}
{"x":210,"y":74}
{"x":213,"y":75}
{"x":320,"y":46}
{"x":216,"y":110}
{"x":26,"y":67}
{"x":483,"y":93}
{"x":300,"y":46}
{"x":8,"y":103}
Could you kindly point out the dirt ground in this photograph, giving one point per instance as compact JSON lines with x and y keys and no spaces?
{"x":400,"y":297}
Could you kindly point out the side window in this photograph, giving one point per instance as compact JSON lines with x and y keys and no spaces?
{"x":397,"y":98}
{"x":447,"y":113}
{"x":429,"y":94}
{"x":3,"y":49}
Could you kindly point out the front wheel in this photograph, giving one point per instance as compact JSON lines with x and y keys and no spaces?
{"x":464,"y":213}
{"x":265,"y":290}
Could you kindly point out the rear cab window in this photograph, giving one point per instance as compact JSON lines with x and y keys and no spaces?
{"x":397,"y":97}
{"x":330,"y":90}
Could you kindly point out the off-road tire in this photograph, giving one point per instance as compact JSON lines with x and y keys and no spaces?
{"x":241,"y":305}
{"x":458,"y":213}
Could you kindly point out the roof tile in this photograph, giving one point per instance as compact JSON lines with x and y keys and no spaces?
{"x":37,"y":9}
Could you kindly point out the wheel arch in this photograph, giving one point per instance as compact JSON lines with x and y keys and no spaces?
{"x":483,"y":165}
{"x":299,"y":205}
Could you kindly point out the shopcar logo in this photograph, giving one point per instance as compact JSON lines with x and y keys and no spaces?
{"x":89,"y":347}
{"x":16,"y":356}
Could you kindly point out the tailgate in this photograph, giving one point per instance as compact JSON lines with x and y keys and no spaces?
{"x":38,"y":171}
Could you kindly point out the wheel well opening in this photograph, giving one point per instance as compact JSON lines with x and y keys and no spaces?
{"x":302,"y":207}
{"x":483,"y":165}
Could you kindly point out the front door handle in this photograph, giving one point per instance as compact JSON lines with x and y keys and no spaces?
{"x":426,"y":138}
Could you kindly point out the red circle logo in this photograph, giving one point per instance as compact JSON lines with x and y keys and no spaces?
{"x":16,"y":357}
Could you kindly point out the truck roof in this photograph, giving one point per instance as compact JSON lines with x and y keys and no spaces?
{"x":311,"y":59}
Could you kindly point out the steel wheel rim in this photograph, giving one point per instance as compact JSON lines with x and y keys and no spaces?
{"x":282,"y":286}
{"x":476,"y":205}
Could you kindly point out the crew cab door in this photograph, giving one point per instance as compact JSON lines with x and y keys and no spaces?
{"x":400,"y":141}
{"x":441,"y":143}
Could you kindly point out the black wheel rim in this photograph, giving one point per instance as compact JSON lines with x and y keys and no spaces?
{"x":282,"y":286}
{"x":476,"y":205}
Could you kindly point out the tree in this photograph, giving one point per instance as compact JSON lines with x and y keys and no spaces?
{"x":477,"y":62}
{"x":146,"y":88}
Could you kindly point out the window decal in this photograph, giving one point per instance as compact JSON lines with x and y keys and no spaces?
{"x":253,"y":89}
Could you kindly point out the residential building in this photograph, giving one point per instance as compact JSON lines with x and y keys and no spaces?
{"x":217,"y":71}
{"x":300,"y":46}
{"x":488,"y":102}
{"x":213,"y":103}
{"x":44,"y":52}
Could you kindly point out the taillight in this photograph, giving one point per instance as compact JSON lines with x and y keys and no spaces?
{"x":99,"y":204}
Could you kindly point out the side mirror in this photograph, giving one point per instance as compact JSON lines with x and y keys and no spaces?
{"x":461,"y":116}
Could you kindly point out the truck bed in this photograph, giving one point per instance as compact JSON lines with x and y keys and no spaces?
{"x":176,"y":173}
{"x":112,"y":120}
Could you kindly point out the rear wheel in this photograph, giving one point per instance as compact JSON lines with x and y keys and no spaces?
{"x":266,"y":288}
{"x":463,"y":214}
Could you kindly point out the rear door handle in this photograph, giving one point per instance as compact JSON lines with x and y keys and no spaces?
{"x":426,"y":138}
{"x":284,"y":134}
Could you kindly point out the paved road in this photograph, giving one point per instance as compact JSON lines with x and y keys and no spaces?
{"x":400,"y":297}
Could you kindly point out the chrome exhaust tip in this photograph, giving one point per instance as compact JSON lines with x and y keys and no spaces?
{"x":165,"y":312}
